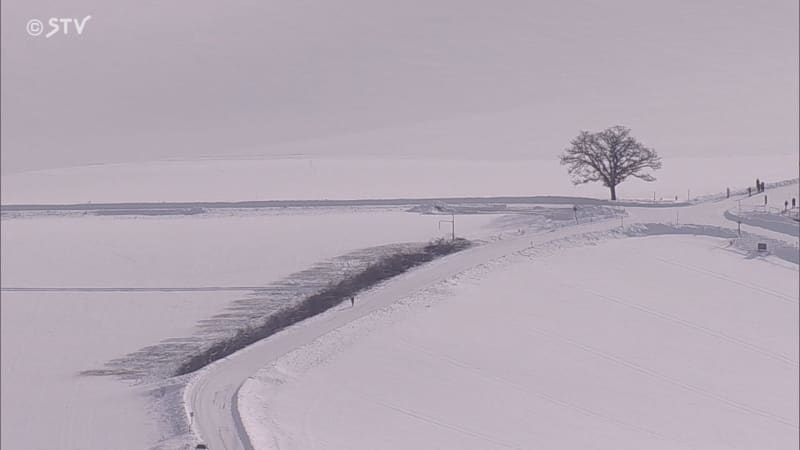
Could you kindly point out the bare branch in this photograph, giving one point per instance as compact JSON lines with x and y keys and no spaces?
{"x":610,"y":156}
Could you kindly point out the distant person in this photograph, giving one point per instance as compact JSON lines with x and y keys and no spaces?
{"x":728,"y":192}
{"x":794,"y":202}
{"x":786,"y":205}
{"x":763,"y":187}
{"x":352,"y":300}
{"x":749,"y":194}
{"x":758,"y":185}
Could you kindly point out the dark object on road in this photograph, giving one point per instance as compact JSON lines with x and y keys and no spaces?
{"x":762,"y":247}
{"x":201,"y":447}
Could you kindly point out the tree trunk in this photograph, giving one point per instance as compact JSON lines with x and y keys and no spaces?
{"x":613,"y":192}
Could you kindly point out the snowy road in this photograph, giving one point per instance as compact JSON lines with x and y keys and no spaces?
{"x":211,"y":395}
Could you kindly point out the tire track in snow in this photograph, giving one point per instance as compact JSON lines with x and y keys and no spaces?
{"x":710,"y":331}
{"x":541,"y":395}
{"x":695,"y":326}
{"x":436,"y":422}
{"x":779,"y":296}
{"x":675,"y":382}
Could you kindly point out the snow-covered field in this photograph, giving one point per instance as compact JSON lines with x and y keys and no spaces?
{"x":230,"y":248}
{"x":306,"y":177}
{"x":183,"y":179}
{"x":48,"y":338}
{"x":661,"y":342}
{"x":190,"y":268}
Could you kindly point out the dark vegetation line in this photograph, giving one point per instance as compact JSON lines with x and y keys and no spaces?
{"x":387,"y":267}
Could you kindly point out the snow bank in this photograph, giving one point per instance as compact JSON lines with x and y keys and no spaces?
{"x":680,"y":344}
{"x":780,"y":221}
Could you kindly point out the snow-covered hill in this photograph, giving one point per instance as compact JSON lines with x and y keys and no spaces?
{"x":658,"y":342}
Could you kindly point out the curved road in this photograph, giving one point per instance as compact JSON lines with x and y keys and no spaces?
{"x":212,"y":393}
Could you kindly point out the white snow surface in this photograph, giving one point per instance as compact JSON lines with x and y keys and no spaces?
{"x":49,"y":337}
{"x":304,"y":177}
{"x":680,"y":344}
{"x":685,"y":342}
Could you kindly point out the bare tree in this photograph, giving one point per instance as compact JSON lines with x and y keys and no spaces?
{"x":610,"y":156}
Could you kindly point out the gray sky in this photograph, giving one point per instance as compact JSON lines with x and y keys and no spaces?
{"x":188,"y":78}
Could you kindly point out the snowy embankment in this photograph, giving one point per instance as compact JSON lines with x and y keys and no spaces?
{"x":697,"y":295}
{"x":683,"y":343}
{"x":775,"y":220}
{"x":336,"y":292}
{"x":213,"y":392}
{"x":777,"y":215}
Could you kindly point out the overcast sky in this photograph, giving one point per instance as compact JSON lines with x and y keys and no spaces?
{"x":156,"y":79}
